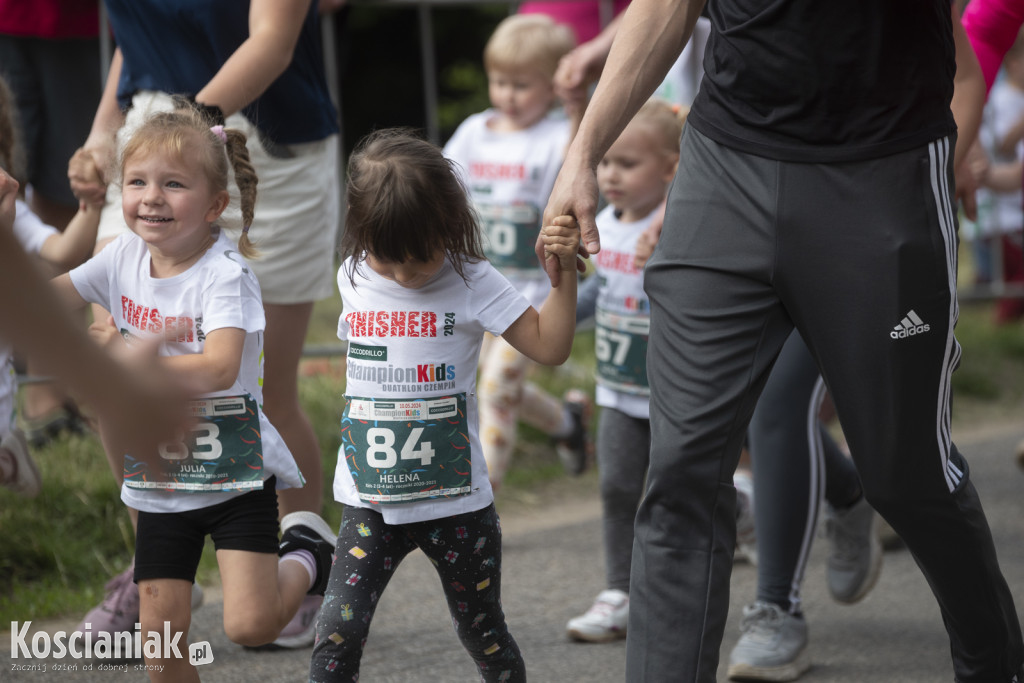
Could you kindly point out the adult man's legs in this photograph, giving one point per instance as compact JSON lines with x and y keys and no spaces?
{"x":716,"y":328}
{"x":867,"y":271}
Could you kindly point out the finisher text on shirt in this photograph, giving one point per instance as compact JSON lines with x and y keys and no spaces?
{"x":148,"y":319}
{"x":496,"y":171}
{"x":392,"y":324}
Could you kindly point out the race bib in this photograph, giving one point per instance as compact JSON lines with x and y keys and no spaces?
{"x":223,"y":452}
{"x":405,"y":450}
{"x":510,"y":233}
{"x":620,"y":344}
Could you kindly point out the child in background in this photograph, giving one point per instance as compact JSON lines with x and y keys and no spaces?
{"x":418,"y":296}
{"x":633,"y":177}
{"x":61,"y":251}
{"x":509,"y":156}
{"x":175,"y":276}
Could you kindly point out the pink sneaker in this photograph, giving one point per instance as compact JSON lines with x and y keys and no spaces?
{"x":119,"y":611}
{"x":301,"y":630}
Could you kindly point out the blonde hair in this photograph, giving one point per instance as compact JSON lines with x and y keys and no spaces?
{"x":187,"y":130}
{"x":12,"y":158}
{"x":665,"y":121}
{"x":528,"y":41}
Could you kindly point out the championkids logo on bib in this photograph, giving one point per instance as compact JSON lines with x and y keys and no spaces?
{"x":42,"y":645}
{"x":422,"y":377}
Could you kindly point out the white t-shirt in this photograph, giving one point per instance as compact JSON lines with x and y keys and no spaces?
{"x":509,"y":176}
{"x":31,"y":232}
{"x":623,"y":318}
{"x":218,"y":291}
{"x":409,"y":427}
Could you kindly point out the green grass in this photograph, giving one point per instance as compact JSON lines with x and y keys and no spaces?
{"x":58,"y":549}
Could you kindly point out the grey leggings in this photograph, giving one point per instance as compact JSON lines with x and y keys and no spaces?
{"x":795,"y":461}
{"x":623,"y":448}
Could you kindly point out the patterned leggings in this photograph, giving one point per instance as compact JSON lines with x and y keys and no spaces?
{"x":466,"y":551}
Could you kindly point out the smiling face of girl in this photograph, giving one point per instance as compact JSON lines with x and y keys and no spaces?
{"x":169,"y":202}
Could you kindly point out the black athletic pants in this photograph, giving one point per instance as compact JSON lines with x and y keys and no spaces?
{"x":861,"y":258}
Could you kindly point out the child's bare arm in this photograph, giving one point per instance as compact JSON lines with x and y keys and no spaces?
{"x":73,"y":246}
{"x":216,"y":368}
{"x":67,"y":293}
{"x":546,"y":336}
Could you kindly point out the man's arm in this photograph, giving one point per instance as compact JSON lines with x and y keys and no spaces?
{"x":649,"y":39}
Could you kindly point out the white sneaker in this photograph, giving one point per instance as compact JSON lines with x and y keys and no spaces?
{"x":604,"y":621}
{"x":746,"y":534}
{"x":773,"y":646}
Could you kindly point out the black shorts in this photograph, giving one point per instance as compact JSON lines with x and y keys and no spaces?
{"x":168,"y":545}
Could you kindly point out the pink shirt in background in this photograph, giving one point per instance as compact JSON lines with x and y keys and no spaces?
{"x":584,"y":16}
{"x":50,"y":18}
{"x":992,"y":26}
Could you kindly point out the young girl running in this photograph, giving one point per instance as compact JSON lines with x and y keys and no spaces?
{"x":176,"y":276}
{"x":418,"y":296}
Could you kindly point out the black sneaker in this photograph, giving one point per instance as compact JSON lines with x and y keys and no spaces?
{"x":575,"y":450}
{"x":306,"y":530}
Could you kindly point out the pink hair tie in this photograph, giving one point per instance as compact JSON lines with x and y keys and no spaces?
{"x":219,"y":132}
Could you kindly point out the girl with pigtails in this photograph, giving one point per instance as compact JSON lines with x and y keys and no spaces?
{"x":177,"y":277}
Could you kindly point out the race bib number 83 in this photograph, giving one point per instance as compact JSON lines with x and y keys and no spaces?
{"x":224,"y":451}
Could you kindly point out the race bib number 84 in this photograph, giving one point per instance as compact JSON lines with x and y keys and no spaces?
{"x":404,"y":450}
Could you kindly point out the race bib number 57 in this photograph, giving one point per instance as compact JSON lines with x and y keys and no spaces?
{"x":404,"y":450}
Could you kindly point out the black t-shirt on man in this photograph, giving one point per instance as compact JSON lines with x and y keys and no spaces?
{"x":826,"y":80}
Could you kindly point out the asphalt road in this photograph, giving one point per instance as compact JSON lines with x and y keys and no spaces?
{"x":553,"y":569}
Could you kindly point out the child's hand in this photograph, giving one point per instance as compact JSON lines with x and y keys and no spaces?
{"x":85,"y":172}
{"x":105,"y":334}
{"x":562,"y":241}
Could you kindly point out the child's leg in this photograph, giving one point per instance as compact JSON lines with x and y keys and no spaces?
{"x":500,"y":393}
{"x":466,"y":551}
{"x":261,"y":592}
{"x":167,"y":551}
{"x":17,"y":469}
{"x":368,"y":553}
{"x":165,"y":607}
{"x":623,"y":448}
{"x":260,"y":596}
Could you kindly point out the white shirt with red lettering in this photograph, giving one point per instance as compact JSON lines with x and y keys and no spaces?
{"x":417,"y":344}
{"x":511,"y":169}
{"x":218,"y":291}
{"x":621,"y":292}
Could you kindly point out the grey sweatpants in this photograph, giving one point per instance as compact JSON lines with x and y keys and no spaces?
{"x":861,"y":258}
